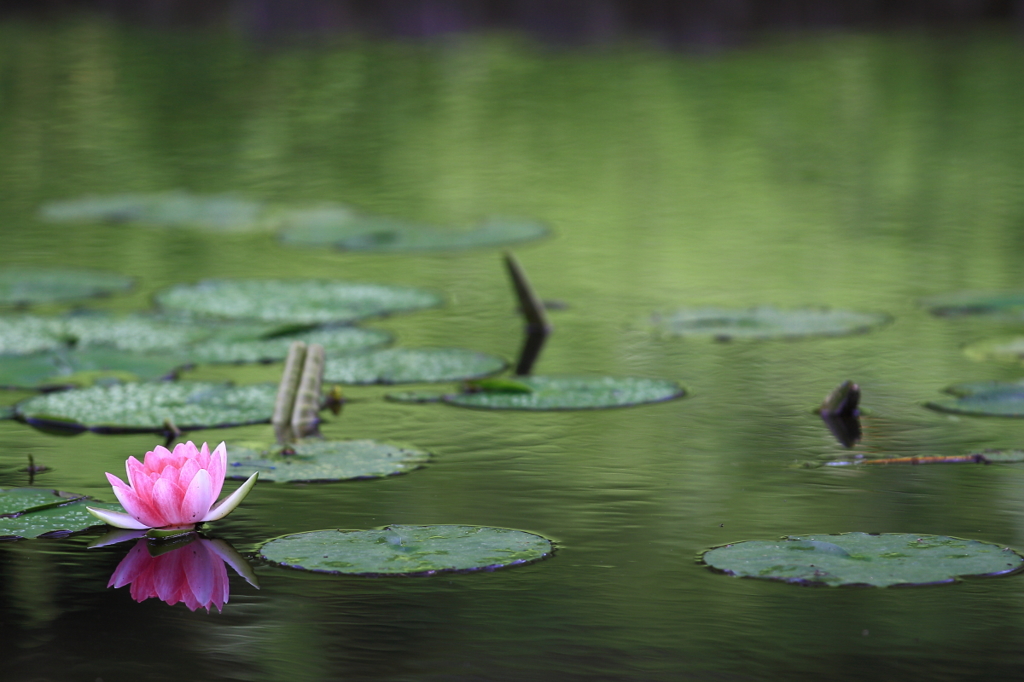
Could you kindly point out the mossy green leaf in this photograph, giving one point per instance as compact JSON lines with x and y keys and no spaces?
{"x":986,"y":398}
{"x":146,"y":407}
{"x":572,"y":393}
{"x":411,"y":365}
{"x":316,"y":460}
{"x":406,"y":550}
{"x":765,"y":322}
{"x":307,"y":301}
{"x":876,"y":560}
{"x":28,"y":286}
{"x":214,"y":212}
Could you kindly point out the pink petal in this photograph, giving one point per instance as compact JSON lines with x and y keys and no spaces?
{"x":157,"y":458}
{"x":198,"y":498}
{"x":138,"y":508}
{"x":218,"y":468}
{"x":187,"y":472}
{"x":166,"y":501}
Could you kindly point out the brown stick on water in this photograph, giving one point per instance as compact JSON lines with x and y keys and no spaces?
{"x":538,"y":328}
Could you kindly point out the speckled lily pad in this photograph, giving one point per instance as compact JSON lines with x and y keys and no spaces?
{"x":572,"y":393}
{"x":38,"y":512}
{"x":27,"y":286}
{"x":874,"y":560}
{"x":986,"y":398}
{"x":336,"y":341}
{"x":406,"y":550}
{"x":764,"y":322}
{"x":310,"y":301}
{"x":145,"y":407}
{"x":25,"y":334}
{"x":316,"y":460}
{"x":97,"y":365}
{"x":411,"y":365}
{"x":215,"y":212}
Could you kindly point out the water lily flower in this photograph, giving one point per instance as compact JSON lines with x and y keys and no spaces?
{"x":173,"y":491}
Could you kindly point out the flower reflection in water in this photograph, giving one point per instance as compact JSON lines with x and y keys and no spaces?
{"x":191,"y":570}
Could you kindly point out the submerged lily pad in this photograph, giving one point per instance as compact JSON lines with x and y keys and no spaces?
{"x":217,"y":212}
{"x":410,"y":366}
{"x":406,"y":550}
{"x":876,"y":560}
{"x":309,"y":301}
{"x":27,"y":286}
{"x":337,"y":340}
{"x":341,"y":228}
{"x":1004,"y":349}
{"x":317,"y":460}
{"x":986,"y":398}
{"x":85,"y":367}
{"x":1009,"y":303}
{"x":35,"y":512}
{"x":572,"y":393}
{"x":146,"y":407}
{"x":765,"y":322}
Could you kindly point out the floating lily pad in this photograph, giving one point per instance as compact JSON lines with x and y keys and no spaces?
{"x":572,"y":393}
{"x":27,"y":286}
{"x":863,"y":559}
{"x":317,"y":460}
{"x":85,"y":367}
{"x":336,"y":341}
{"x":145,"y":407}
{"x":341,"y":228}
{"x":410,"y":366}
{"x":1005,"y":349}
{"x":217,"y":212}
{"x":35,"y":512}
{"x":406,"y":550}
{"x":24,"y":334}
{"x":986,"y":398}
{"x":1009,"y":303}
{"x":765,"y":323}
{"x":22,"y":500}
{"x":415,"y":397}
{"x":311,"y":301}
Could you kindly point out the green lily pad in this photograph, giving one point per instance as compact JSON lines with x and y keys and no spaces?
{"x":986,"y":398}
{"x":35,"y":512}
{"x":411,"y":366}
{"x":572,"y":393}
{"x":317,"y":460}
{"x":1004,"y":349}
{"x":765,"y":322}
{"x":406,"y":550}
{"x":338,"y":340}
{"x":1009,"y":303}
{"x":21,"y":500}
{"x":25,"y":334}
{"x":216,"y":212}
{"x":874,"y":560}
{"x":341,"y":228}
{"x":415,"y":397}
{"x":85,"y":367}
{"x":146,"y":407}
{"x":310,"y":301}
{"x":27,"y":286}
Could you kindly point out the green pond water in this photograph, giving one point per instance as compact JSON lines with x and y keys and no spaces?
{"x":857,"y":171}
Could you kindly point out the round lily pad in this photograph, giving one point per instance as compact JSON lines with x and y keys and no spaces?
{"x":24,"y":334}
{"x":317,"y":460}
{"x":410,"y":366}
{"x":217,"y":212}
{"x":41,"y":512}
{"x":342,"y":228}
{"x":765,"y":322}
{"x":312,"y":301}
{"x":1009,"y":303}
{"x":27,"y":286}
{"x":406,"y":550}
{"x":1004,"y":349}
{"x":146,"y":407}
{"x":572,"y":393}
{"x":85,"y":367}
{"x":338,"y":340}
{"x":986,"y":398}
{"x":874,"y":560}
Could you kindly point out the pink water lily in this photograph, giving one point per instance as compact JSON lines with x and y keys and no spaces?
{"x":173,"y":490}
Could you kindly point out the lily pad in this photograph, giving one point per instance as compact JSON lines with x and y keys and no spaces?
{"x":415,"y":397}
{"x":85,"y":367}
{"x":27,"y":286}
{"x":338,"y":340}
{"x":411,"y":365}
{"x":308,"y":301}
{"x":765,"y":322}
{"x":572,"y":393}
{"x":146,"y":407}
{"x":1009,"y":303}
{"x":874,"y":560}
{"x":1004,"y":349}
{"x":37,"y":512}
{"x":317,"y":460}
{"x":216,"y":212}
{"x":406,"y":550}
{"x":25,"y":334}
{"x":341,"y":228}
{"x":987,"y":398}
{"x":21,"y":500}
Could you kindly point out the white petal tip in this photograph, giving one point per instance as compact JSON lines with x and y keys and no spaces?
{"x":228,"y":504}
{"x":116,"y":519}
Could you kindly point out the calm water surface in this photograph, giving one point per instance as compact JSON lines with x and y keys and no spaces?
{"x":854,"y":171}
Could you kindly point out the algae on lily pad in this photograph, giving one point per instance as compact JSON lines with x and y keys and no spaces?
{"x":1003,"y":349}
{"x":215,"y":212}
{"x":411,"y":366}
{"x":571,"y":393}
{"x":96,"y":365}
{"x":38,"y":512}
{"x":149,"y":406}
{"x":323,"y":460}
{"x":28,"y":286}
{"x":765,"y":322}
{"x":335,"y":340}
{"x":985,"y":398}
{"x":1005,"y":303}
{"x":406,"y":550}
{"x":864,"y":559}
{"x":301,"y":301}
{"x":341,"y":228}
